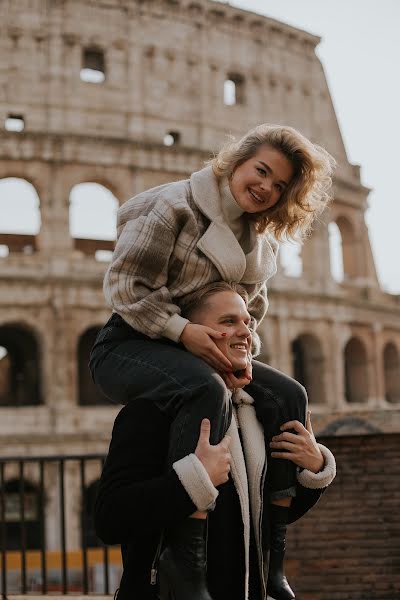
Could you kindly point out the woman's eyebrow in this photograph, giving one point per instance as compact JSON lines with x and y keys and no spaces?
{"x":271,"y":171}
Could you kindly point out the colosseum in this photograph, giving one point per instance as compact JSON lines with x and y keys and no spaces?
{"x":101,"y":100}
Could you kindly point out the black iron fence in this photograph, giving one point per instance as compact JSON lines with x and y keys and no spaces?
{"x":47,"y":538}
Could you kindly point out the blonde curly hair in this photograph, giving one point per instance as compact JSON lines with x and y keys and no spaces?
{"x":307,"y":194}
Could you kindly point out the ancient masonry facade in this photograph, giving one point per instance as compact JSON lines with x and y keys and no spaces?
{"x":165,"y":64}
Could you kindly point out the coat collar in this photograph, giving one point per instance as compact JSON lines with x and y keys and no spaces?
{"x":219,"y":243}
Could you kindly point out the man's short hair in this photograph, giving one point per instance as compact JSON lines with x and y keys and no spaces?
{"x":195,"y":300}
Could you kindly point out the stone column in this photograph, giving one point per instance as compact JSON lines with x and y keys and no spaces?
{"x":55,"y":236}
{"x":377,"y":368}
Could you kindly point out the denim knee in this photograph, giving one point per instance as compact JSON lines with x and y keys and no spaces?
{"x":213,"y":401}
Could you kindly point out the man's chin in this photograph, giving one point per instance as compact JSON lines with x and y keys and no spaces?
{"x":239,"y":365}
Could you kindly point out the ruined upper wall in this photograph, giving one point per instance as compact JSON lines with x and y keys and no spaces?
{"x":165,"y":64}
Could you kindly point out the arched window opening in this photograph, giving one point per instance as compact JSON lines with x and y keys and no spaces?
{"x":309,"y":367}
{"x":93,"y":220}
{"x":19,"y":367}
{"x":234,"y":92}
{"x":89,"y":393}
{"x":336,"y":252}
{"x":89,"y":537}
{"x":355,"y":371}
{"x":349,"y":250}
{"x":172,"y":138}
{"x":93,"y":66}
{"x":290,"y":258}
{"x":391,"y":365}
{"x":14,"y":123}
{"x":20,"y":216}
{"x":21,"y":499}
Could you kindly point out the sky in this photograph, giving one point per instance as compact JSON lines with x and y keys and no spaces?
{"x":360,"y":53}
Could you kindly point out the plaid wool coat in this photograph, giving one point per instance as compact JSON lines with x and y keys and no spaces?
{"x":174,"y":239}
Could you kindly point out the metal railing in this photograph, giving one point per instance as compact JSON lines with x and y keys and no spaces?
{"x":47,"y":540}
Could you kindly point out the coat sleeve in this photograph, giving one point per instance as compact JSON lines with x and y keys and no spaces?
{"x":136,"y":493}
{"x":136,"y":283}
{"x":310,"y":486}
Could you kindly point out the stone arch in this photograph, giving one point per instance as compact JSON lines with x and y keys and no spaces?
{"x":20,"y":216}
{"x":88,"y":393}
{"x":391,"y":367}
{"x":349,"y":245}
{"x":93,"y":237}
{"x":356,"y":371}
{"x":13,"y":490}
{"x":309,"y":366}
{"x":20,"y":381}
{"x":93,"y":67}
{"x":234,"y":88}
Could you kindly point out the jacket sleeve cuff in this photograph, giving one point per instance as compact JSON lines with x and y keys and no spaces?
{"x":174,"y":327}
{"x":196,"y":481}
{"x":316,"y":481}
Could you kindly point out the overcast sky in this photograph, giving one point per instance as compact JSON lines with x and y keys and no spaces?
{"x":360,"y":51}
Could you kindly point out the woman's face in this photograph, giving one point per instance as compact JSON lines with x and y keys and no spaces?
{"x":259,"y":182}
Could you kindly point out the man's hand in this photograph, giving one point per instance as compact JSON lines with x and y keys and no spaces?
{"x":301,"y":446}
{"x":198,"y":339}
{"x":216,"y":459}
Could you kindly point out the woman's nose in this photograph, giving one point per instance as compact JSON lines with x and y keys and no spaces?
{"x":266,"y":185}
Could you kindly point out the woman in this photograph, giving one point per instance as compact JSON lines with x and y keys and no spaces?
{"x":223,"y":223}
{"x":137,"y":498}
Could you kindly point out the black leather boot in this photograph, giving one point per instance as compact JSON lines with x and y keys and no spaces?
{"x":278,"y":587}
{"x":183,"y":562}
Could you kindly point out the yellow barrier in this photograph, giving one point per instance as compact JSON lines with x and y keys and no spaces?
{"x":95,"y":556}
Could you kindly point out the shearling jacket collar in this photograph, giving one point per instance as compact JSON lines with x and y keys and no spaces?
{"x":219,"y":243}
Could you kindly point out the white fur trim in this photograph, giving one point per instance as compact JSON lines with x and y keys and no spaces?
{"x":242,"y":397}
{"x":239,"y":476}
{"x":196,"y":481}
{"x":316,"y":481}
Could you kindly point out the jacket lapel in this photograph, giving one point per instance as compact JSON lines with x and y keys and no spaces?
{"x":219,"y":243}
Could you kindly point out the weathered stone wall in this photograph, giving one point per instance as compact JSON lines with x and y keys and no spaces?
{"x":347,"y":547}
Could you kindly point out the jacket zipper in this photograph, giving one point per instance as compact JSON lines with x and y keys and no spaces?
{"x":154,"y":564}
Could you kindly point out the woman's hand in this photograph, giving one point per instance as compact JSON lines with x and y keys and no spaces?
{"x":302,"y":447}
{"x":198,"y":339}
{"x":216,"y":459}
{"x":234,"y":381}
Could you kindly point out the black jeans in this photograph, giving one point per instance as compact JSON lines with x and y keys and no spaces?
{"x":126,"y":364}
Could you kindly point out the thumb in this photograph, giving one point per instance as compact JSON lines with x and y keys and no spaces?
{"x":308,"y":422}
{"x":205,"y":429}
{"x":225,"y":442}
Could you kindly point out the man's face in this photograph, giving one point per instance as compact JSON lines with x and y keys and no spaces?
{"x":227,"y":312}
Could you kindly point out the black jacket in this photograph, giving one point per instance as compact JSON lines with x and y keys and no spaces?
{"x":138,"y":497}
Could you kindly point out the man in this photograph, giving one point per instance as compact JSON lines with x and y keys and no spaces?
{"x":140,"y":495}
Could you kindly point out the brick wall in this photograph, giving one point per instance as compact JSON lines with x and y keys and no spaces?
{"x":348,"y":546}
